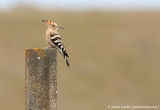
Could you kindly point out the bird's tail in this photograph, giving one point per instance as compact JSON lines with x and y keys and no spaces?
{"x":67,"y":62}
{"x":65,"y":55}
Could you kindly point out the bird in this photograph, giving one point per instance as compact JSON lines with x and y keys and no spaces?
{"x":53,"y":39}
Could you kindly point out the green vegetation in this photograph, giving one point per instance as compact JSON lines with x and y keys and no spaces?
{"x":114,"y":57}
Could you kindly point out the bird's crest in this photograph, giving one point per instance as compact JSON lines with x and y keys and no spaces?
{"x":52,"y":24}
{"x":48,"y":22}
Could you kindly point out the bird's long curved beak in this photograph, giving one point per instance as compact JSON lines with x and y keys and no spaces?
{"x":60,"y":27}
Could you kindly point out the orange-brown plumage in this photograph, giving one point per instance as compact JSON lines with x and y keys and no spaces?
{"x":54,"y":39}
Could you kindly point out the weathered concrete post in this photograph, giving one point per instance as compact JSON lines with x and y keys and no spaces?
{"x":41,"y":79}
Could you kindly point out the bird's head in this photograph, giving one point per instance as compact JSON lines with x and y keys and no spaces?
{"x":52,"y":24}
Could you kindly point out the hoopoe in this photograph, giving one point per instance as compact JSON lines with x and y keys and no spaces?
{"x":54,"y":39}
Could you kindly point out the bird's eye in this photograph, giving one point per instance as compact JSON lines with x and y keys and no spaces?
{"x":53,"y":25}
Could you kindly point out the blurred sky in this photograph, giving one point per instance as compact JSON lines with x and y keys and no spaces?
{"x":84,"y":4}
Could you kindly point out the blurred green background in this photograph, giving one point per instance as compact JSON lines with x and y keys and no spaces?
{"x":114,"y":57}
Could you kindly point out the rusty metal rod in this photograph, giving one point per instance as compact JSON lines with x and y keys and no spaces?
{"x":41,"y":79}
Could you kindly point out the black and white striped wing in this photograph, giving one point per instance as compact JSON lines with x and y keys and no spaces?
{"x":56,"y":40}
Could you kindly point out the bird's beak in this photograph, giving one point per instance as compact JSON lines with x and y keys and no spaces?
{"x":60,"y":27}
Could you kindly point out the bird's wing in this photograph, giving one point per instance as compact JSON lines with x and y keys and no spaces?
{"x":55,"y":40}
